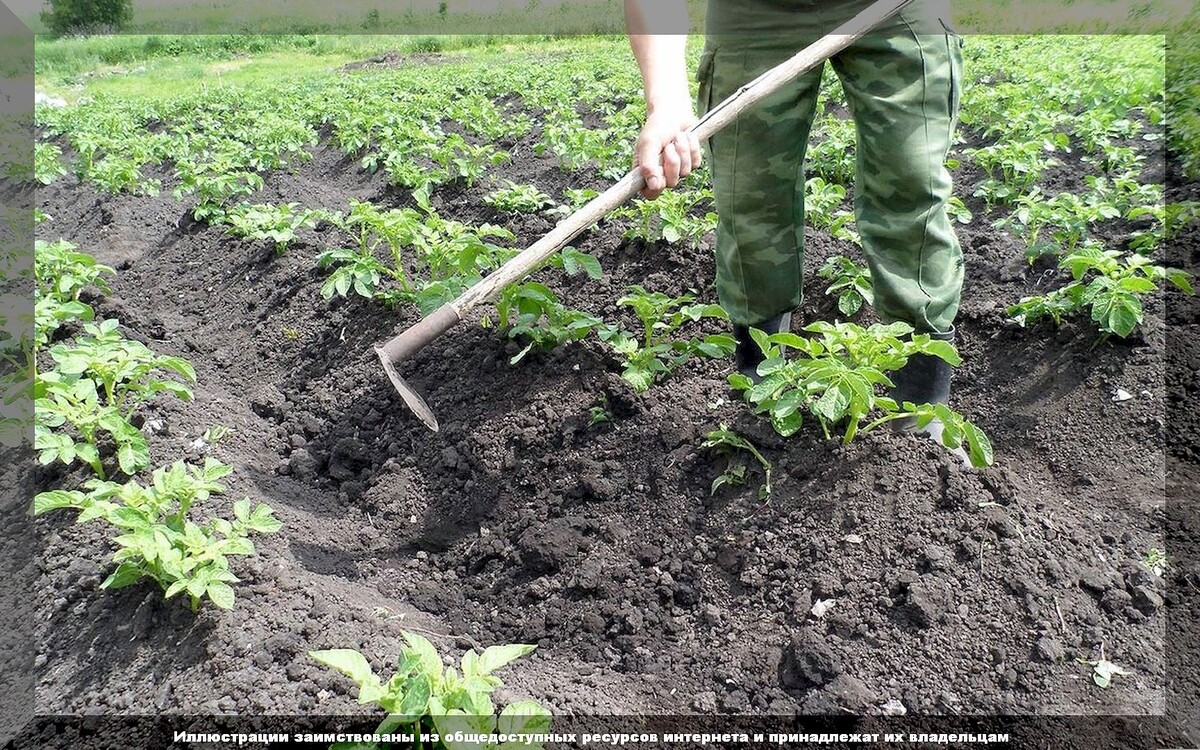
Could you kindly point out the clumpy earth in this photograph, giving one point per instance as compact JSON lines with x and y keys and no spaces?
{"x":877,"y":574}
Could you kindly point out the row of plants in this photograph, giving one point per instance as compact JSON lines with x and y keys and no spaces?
{"x":430,"y":129}
{"x":88,"y":399}
{"x":87,"y":402}
{"x":433,"y":260}
{"x":415,"y":256}
{"x":90,"y":390}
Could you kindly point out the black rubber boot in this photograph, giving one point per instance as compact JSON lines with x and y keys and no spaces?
{"x":747,"y":355}
{"x":924,"y":379}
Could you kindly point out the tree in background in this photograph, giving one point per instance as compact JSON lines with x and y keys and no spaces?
{"x":87,"y":16}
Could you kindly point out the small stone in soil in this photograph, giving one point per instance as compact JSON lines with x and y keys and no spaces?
{"x":807,"y":662}
{"x":1051,"y":650}
{"x":1095,"y":580}
{"x":302,"y":463}
{"x":1147,"y":600}
{"x":705,"y":703}
{"x":844,"y":693}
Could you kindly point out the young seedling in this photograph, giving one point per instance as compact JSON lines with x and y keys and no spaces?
{"x":1108,"y":283}
{"x":1169,"y":221}
{"x":157,"y":539}
{"x":1103,"y":670}
{"x":850,"y":282}
{"x":120,"y":174}
{"x":459,"y":160}
{"x":275,"y":223}
{"x":574,"y":262}
{"x":532,"y":312}
{"x":98,"y":383}
{"x":60,"y":401}
{"x":216,"y":183}
{"x":958,"y":210}
{"x":834,"y":376}
{"x":656,"y":352}
{"x":126,"y":370}
{"x":518,"y":199}
{"x":61,"y":273}
{"x":47,"y":162}
{"x":832,"y":157}
{"x":423,"y":697}
{"x":728,"y":443}
{"x":1017,"y":164}
{"x":433,"y":259}
{"x":575,"y":198}
{"x":672,"y":217}
{"x":1156,"y":561}
{"x":358,"y":268}
{"x":600,"y":412}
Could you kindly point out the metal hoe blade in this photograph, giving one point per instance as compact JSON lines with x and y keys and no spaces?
{"x":408,"y":393}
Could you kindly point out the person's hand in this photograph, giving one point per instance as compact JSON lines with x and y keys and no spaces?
{"x":667,"y":150}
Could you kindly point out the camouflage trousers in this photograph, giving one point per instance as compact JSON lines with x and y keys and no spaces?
{"x":902,"y":84}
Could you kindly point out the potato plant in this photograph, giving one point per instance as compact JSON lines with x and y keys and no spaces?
{"x":98,"y":381}
{"x":480,"y":116}
{"x":578,"y":147}
{"x":850,"y":282}
{"x":1108,"y":284}
{"x":61,"y":273}
{"x":1168,"y":221}
{"x":217,"y":184}
{"x":423,"y":697}
{"x":533,"y":313}
{"x":157,"y":539}
{"x":833,"y":378}
{"x":458,"y":160}
{"x":1013,"y":166}
{"x":70,"y":417}
{"x":1066,"y":218}
{"x":726,"y":442}
{"x":432,"y":259}
{"x":821,"y":202}
{"x":831,"y":155}
{"x":47,"y":162}
{"x":117,"y":174}
{"x":126,"y":370}
{"x":656,"y":351}
{"x":672,"y":217}
{"x":267,"y":222}
{"x":518,"y":199}
{"x":576,"y":198}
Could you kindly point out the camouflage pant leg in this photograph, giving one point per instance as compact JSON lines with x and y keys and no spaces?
{"x":903,"y":90}
{"x":902,"y":87}
{"x":758,"y":184}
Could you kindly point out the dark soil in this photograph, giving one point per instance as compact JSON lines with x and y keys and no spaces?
{"x":953,"y":591}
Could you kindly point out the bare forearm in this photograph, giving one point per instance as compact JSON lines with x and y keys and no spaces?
{"x":660,"y":54}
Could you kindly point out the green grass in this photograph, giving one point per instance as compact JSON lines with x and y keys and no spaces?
{"x":135,"y":64}
{"x":1183,"y":96}
{"x":1070,"y":16}
{"x":368,"y":16}
{"x":122,"y":67}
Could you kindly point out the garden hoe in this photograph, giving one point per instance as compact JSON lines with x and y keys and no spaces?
{"x":418,"y":336}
